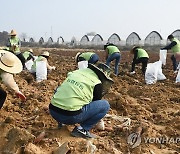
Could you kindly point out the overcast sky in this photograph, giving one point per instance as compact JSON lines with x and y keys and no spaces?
{"x":68,"y":18}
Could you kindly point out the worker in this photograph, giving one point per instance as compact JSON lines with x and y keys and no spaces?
{"x":91,"y":57}
{"x":42,"y":57}
{"x":14,"y":44}
{"x":28,"y":55}
{"x":78,"y":99}
{"x":9,"y":65}
{"x":140,"y":56}
{"x":175,"y":47}
{"x":112,"y":53}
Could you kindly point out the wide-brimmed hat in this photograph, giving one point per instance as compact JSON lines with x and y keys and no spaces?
{"x":13,"y":32}
{"x":10,"y":62}
{"x":45,"y":53}
{"x":77,"y":56}
{"x":103,"y":72}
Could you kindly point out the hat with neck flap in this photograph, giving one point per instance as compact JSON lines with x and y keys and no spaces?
{"x":103,"y":72}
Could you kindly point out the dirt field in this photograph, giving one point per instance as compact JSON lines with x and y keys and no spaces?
{"x":155,"y":108}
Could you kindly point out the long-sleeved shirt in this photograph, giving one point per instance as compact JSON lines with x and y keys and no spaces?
{"x":8,"y":80}
{"x":168,"y":47}
{"x":98,"y":92}
{"x":135,"y":55}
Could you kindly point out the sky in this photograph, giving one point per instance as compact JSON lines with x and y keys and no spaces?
{"x":76,"y":18}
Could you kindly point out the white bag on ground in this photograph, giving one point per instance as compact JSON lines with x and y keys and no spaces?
{"x":41,"y":71}
{"x":29,"y":64}
{"x":82,"y":64}
{"x":178,"y":76}
{"x":162,"y":56}
{"x":151,"y":74}
{"x":154,"y":73}
{"x":160,"y":75}
{"x":178,"y":68}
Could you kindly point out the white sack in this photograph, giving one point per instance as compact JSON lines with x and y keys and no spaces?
{"x":154,"y":73}
{"x":162,"y":56}
{"x":160,"y":75}
{"x":178,"y":68}
{"x":29,"y":64}
{"x":82,"y":64}
{"x":178,"y":76}
{"x":41,"y":71}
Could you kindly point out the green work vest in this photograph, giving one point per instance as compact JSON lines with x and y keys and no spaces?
{"x":26,"y":54}
{"x":15,"y":41}
{"x":112,"y":49}
{"x":34,"y":64}
{"x":176,"y":48}
{"x":142,"y":53}
{"x":86,"y":55}
{"x":76,"y":91}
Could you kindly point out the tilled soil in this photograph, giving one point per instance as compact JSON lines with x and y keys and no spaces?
{"x":27,"y":127}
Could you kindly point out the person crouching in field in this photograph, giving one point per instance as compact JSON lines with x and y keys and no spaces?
{"x":28,"y":55}
{"x":78,"y":99}
{"x":9,"y":65}
{"x":42,"y":57}
{"x":91,"y":57}
{"x":140,"y":56}
{"x":112,"y":53}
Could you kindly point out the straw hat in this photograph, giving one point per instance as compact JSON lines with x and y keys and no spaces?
{"x":77,"y":56}
{"x":13,"y":32}
{"x":45,"y":53}
{"x":9,"y":62}
{"x":103,"y":72}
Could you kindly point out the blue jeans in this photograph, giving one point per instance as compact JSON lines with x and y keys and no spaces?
{"x":143,"y":60}
{"x":90,"y":115}
{"x":94,"y":58}
{"x":117,"y":57}
{"x":175,"y":63}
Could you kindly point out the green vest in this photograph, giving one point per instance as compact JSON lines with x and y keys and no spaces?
{"x":15,"y":41}
{"x":176,"y":48}
{"x":26,"y":54}
{"x":76,"y":91}
{"x":142,"y":53}
{"x":112,"y":49}
{"x":86,"y":55}
{"x":34,"y":64}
